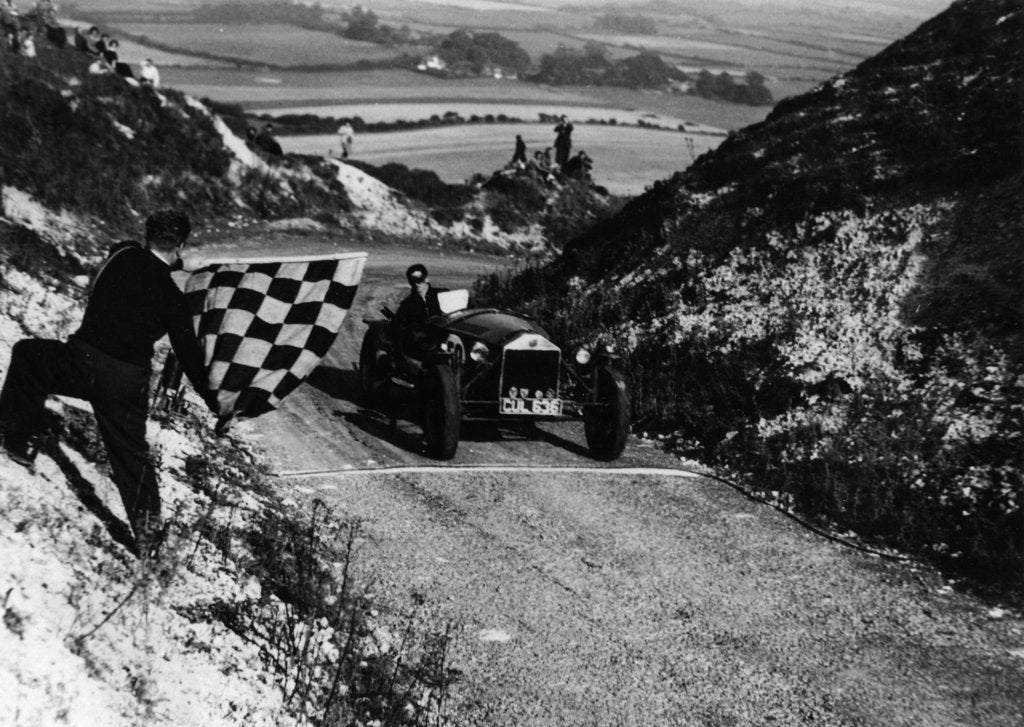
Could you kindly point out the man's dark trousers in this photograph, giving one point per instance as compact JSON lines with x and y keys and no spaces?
{"x":119,"y":394}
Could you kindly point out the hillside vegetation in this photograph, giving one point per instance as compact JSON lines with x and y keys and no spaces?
{"x":165,"y":148}
{"x":829,"y":303}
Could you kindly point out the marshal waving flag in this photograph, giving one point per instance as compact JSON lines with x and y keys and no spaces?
{"x":265,"y":324}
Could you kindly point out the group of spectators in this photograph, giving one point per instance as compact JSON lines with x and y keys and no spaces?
{"x":104,"y":50}
{"x":577,"y":167}
{"x":20,"y":30}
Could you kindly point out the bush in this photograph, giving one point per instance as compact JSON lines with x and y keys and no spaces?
{"x":577,"y":207}
{"x":312,"y":629}
{"x":418,"y":184}
{"x":514,"y":200}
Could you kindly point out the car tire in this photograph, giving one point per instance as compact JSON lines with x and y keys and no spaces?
{"x":606,"y":426}
{"x":442,"y":411}
{"x":369,"y":370}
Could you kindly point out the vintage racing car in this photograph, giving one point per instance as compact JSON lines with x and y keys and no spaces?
{"x":486,"y":364}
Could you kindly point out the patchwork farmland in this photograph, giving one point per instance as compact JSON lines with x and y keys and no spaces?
{"x":268,"y":69}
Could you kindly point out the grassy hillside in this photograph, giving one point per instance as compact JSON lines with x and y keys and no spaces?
{"x":829,"y":303}
{"x":98,"y":146}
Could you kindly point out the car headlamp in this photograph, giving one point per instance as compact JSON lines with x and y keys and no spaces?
{"x":479,"y":352}
{"x":582,"y":356}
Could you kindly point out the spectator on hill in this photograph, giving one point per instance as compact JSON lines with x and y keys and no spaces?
{"x":132,"y":304}
{"x":579,"y":167}
{"x":546,"y":158}
{"x":250,"y":137}
{"x":88,"y":42}
{"x":519,"y":156}
{"x":46,"y":23}
{"x":149,"y":74}
{"x":106,"y":58}
{"x":563,"y":141}
{"x":26,"y":44}
{"x":10,"y":23}
{"x":109,"y":52}
{"x":81,"y":41}
{"x":348,"y":137}
{"x":45,"y":14}
{"x":113,"y":62}
{"x":266,"y":142}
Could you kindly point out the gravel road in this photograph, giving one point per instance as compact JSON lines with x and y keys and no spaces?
{"x":598,"y":596}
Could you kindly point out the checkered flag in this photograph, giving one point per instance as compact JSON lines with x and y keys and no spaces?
{"x":265,"y":324}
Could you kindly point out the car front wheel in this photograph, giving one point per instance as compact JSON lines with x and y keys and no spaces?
{"x":606,"y":425}
{"x":442,"y":411}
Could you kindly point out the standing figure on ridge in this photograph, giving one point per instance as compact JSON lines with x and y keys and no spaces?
{"x":519,"y":157}
{"x":563,"y":141}
{"x":348,"y":136}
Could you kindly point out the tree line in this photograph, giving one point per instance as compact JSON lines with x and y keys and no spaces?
{"x":469,"y":53}
{"x":591,"y":66}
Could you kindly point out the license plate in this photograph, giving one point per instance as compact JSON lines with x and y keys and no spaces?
{"x":534,"y":407}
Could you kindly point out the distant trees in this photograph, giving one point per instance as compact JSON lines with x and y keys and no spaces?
{"x":723,"y":87}
{"x":362,"y":24}
{"x":646,"y":70}
{"x":569,"y":66}
{"x":618,"y":22}
{"x":591,"y":66}
{"x":572,"y":67}
{"x":474,"y":52}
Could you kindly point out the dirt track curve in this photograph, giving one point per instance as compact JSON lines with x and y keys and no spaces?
{"x":610,"y":597}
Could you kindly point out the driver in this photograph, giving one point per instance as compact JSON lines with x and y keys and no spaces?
{"x":418,"y":306}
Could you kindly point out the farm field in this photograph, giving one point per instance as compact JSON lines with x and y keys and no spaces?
{"x":393,"y":95}
{"x":692,"y":108}
{"x":275,"y":45}
{"x":737,"y":53}
{"x":626,"y":159}
{"x":265,"y":88}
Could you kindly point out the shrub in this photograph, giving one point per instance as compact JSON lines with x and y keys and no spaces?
{"x":419,"y":184}
{"x":311,"y":626}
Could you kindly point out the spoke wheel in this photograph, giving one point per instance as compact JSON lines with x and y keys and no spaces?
{"x":442,"y":411}
{"x":606,"y":425}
